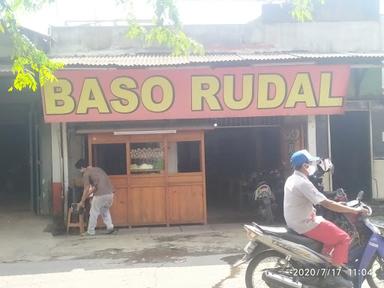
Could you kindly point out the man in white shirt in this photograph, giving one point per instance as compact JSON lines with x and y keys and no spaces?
{"x":300,"y":196}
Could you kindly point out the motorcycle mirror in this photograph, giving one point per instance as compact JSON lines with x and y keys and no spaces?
{"x":326,"y":165}
{"x":360,"y":196}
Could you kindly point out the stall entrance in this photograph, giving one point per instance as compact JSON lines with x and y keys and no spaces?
{"x":237,"y":160}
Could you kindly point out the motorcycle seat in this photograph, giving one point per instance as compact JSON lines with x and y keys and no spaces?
{"x":290,"y":235}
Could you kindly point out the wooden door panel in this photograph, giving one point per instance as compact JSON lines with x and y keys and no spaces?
{"x":146,"y":205}
{"x":186,"y":204}
{"x":119,"y":207}
{"x":119,"y":181}
{"x":185,"y":178}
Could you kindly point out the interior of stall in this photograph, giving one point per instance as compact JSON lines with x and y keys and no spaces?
{"x":351,"y":153}
{"x":238,"y":160}
{"x":14,"y":158}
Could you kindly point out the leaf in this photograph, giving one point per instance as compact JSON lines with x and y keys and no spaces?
{"x":303,"y":9}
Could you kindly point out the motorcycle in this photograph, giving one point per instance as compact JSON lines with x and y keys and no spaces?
{"x":264,"y":201}
{"x":260,"y":190}
{"x":279,"y":257}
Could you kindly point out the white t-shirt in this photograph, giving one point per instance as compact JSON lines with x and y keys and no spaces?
{"x":299,"y":197}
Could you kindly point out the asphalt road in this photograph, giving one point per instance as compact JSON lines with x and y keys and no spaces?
{"x":198,"y":256}
{"x":210,"y":271}
{"x":203,"y":271}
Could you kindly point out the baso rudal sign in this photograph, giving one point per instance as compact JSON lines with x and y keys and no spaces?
{"x":190,"y":93}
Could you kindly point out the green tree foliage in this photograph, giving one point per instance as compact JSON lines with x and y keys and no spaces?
{"x":302,"y":9}
{"x":29,"y":64}
{"x":166,"y":30}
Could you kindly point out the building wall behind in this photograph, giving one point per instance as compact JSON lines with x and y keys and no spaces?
{"x":76,"y":150}
{"x":319,"y":36}
{"x":6,"y":47}
{"x":322,"y":136}
{"x":252,"y":37}
{"x":377,"y":133}
{"x":377,"y":116}
{"x":335,"y":10}
{"x":364,"y":83}
{"x":45,"y":169}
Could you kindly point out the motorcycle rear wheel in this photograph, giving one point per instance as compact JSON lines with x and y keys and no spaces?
{"x":372,"y":278}
{"x":257,"y":265}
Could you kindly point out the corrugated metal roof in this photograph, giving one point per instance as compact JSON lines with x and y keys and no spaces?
{"x":338,"y":55}
{"x":167,"y":60}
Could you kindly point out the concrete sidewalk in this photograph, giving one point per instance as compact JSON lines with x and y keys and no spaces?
{"x":24,"y":239}
{"x":27,"y":237}
{"x":151,"y":257}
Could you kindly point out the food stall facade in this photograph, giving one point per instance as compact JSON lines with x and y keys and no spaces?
{"x":159,"y":174}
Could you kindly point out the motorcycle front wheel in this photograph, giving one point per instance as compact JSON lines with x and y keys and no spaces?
{"x":375,"y":276}
{"x":265,"y":260}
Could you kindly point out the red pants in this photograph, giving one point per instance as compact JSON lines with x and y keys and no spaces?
{"x":334,"y":239}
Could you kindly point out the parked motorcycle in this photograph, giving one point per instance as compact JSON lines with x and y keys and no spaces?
{"x":260,"y":188}
{"x":264,"y":200}
{"x":278,"y":257}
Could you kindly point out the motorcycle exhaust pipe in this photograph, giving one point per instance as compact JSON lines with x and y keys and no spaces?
{"x":278,"y":280}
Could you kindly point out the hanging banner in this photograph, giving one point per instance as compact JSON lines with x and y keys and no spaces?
{"x":191,"y":93}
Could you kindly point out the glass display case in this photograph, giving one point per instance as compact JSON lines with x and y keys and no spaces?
{"x":146,"y":158}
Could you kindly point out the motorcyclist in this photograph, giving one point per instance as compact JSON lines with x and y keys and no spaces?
{"x":300,"y":196}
